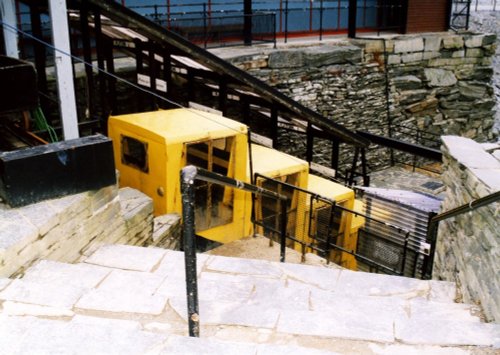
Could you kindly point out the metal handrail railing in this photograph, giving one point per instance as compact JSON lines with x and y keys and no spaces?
{"x":188,"y":176}
{"x":434,"y":222}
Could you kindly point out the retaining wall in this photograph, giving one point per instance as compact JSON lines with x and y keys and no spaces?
{"x":468,"y":246}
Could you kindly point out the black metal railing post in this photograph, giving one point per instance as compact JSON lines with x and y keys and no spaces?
{"x":467,"y":16}
{"x":205,"y":29}
{"x":247,"y":22}
{"x":353,"y":8}
{"x":188,"y":175}
{"x":283,"y":223}
{"x":321,"y":20}
{"x":286,"y":21}
{"x":274,"y":29}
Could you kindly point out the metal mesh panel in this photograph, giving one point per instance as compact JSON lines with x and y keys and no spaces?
{"x":226,"y":29}
{"x":376,"y":237}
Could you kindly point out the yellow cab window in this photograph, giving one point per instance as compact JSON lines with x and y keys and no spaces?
{"x":214,"y":202}
{"x":134,"y":153}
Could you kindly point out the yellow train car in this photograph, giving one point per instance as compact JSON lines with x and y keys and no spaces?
{"x":342,"y":226}
{"x":286,"y":169}
{"x":151,"y":148}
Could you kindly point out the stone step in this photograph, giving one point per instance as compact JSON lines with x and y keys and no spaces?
{"x":241,"y":300}
{"x":94,"y":335}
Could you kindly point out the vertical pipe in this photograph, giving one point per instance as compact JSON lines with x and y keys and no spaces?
{"x":205,"y":27}
{"x":281,"y":17}
{"x":274,"y":125}
{"x":366,"y":178}
{"x":467,"y":18}
{"x":100,"y":63}
{"x":310,"y":15}
{"x":247,"y":25}
{"x":168,"y":14}
{"x":404,"y":17}
{"x":87,"y":57}
{"x":339,"y":10}
{"x":286,"y":21}
{"x":110,"y":67}
{"x":335,"y":155}
{"x":283,"y":222}
{"x":8,"y":12}
{"x":21,"y":40}
{"x":64,"y":68}
{"x":353,"y":168}
{"x":353,"y":8}
{"x":188,"y":175}
{"x":405,"y":251}
{"x":274,"y":30}
{"x":309,"y":143}
{"x":329,"y":231}
{"x":321,"y":20}
{"x":223,"y":95}
{"x":40,"y":55}
{"x":167,"y":70}
{"x":152,"y":66}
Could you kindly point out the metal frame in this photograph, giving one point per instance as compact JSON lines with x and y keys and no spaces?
{"x":188,"y":175}
{"x":432,"y":232}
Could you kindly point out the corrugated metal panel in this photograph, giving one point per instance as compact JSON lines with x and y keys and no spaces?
{"x":407,"y":210}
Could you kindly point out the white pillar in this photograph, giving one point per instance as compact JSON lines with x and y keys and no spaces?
{"x":8,"y":12}
{"x":63,"y":66}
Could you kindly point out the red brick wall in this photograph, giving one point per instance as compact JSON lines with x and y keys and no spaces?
{"x":427,"y":16}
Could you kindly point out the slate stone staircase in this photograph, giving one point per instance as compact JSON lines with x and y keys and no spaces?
{"x":131,"y":300}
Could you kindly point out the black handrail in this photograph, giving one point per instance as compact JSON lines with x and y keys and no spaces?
{"x":188,"y":175}
{"x":434,"y":222}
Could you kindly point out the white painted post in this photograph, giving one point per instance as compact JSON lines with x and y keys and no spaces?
{"x":64,"y":70}
{"x":8,"y":12}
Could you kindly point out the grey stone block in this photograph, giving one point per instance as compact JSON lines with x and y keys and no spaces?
{"x":334,"y":325}
{"x":54,"y":294}
{"x":126,"y":257}
{"x":442,"y":291}
{"x":245,"y":266}
{"x":432,"y":43}
{"x":439,"y":77}
{"x":408,"y":82}
{"x":324,"y":278}
{"x":229,"y":313}
{"x":82,"y":335}
{"x":330,"y":55}
{"x":286,"y":59}
{"x":447,"y":333}
{"x":409,"y":45}
{"x":365,"y":284}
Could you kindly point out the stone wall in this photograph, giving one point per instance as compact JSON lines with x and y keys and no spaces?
{"x":468,"y":246}
{"x":68,"y":228}
{"x":439,"y":83}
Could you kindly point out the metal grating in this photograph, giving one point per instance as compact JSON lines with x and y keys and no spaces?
{"x":407,"y":210}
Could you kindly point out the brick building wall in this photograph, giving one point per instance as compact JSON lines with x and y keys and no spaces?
{"x":427,"y":16}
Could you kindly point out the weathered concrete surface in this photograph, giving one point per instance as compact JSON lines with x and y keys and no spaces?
{"x":261,"y":307}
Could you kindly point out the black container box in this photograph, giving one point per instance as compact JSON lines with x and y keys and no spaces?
{"x":54,"y":170}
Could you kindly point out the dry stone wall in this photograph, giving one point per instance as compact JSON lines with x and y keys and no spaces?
{"x":468,"y":246}
{"x":439,"y":83}
{"x":71,"y":227}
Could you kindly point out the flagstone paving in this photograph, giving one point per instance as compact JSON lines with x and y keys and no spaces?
{"x":131,"y":300}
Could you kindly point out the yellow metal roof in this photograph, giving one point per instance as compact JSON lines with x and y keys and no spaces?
{"x":181,"y":125}
{"x":329,"y":189}
{"x":272,"y":163}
